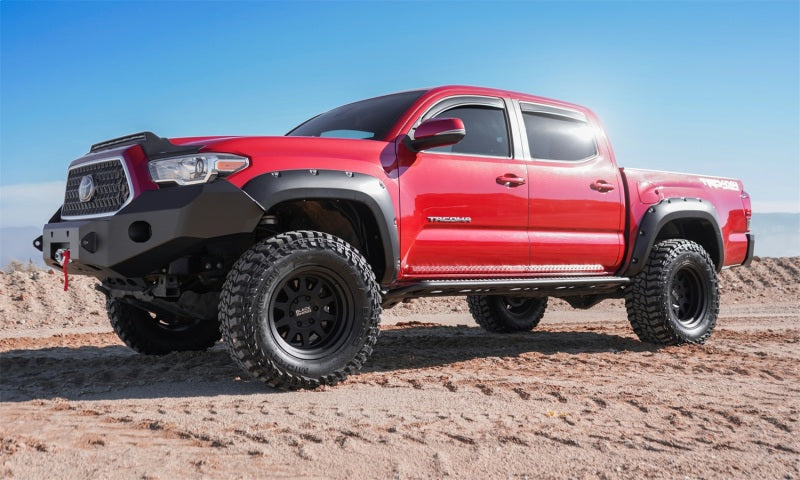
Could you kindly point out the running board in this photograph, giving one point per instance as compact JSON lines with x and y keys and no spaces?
{"x":522,"y":287}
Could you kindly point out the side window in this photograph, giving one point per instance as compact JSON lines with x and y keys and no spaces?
{"x":487,"y":131}
{"x":553,"y":137}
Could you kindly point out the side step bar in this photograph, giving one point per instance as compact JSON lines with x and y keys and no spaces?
{"x":523,"y":287}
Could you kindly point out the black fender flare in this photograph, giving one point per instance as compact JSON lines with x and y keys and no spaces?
{"x":661,"y":214}
{"x":277,"y":187}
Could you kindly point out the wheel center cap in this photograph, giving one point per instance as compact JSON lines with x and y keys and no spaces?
{"x":303,"y":311}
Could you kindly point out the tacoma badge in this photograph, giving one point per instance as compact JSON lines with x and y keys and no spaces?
{"x":450,"y":219}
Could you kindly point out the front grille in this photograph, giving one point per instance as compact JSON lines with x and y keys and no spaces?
{"x":111,"y":189}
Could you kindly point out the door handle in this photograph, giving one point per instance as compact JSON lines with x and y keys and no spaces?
{"x":601,"y":186}
{"x":510,"y":180}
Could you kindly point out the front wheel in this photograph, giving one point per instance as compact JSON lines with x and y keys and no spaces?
{"x":675,"y":299}
{"x":300,"y":309}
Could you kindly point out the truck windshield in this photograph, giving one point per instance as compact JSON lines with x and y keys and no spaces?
{"x":368,"y":119}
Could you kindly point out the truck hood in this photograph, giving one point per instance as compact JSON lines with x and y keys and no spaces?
{"x":257,"y":147}
{"x":291,"y":153}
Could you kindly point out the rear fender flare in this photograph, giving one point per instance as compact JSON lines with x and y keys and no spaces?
{"x":665,"y":212}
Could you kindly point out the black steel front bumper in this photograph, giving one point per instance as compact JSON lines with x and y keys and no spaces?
{"x":156,"y":228}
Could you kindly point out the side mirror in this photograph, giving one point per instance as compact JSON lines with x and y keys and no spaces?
{"x":437,"y":132}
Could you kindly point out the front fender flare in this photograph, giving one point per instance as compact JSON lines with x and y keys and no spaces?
{"x":273,"y":188}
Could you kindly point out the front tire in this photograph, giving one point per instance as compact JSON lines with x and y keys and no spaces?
{"x":300,"y":309}
{"x":499,"y":314}
{"x":675,"y":299}
{"x":154,"y":334}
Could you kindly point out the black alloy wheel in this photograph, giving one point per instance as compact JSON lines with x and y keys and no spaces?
{"x":310,"y":311}
{"x":688,"y":297}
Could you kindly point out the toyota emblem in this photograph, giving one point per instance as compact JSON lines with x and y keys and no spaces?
{"x":86,"y":188}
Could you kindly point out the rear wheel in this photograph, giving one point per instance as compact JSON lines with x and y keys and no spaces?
{"x":300,"y":309}
{"x":496,"y":313}
{"x":675,"y":299}
{"x":157,"y":334}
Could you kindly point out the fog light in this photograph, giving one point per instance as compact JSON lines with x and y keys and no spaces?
{"x":140,"y":232}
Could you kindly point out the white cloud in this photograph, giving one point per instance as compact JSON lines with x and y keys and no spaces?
{"x":29,"y":205}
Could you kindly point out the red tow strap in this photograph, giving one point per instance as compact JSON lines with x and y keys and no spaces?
{"x":64,"y":268}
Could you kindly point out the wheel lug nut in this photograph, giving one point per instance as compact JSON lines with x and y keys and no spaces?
{"x":299,"y":324}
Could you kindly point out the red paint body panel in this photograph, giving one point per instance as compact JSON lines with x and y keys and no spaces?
{"x":432,"y":185}
{"x":647,"y":187}
{"x":555,"y":219}
{"x":570,"y":221}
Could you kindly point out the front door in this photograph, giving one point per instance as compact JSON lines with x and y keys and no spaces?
{"x":464,"y":207}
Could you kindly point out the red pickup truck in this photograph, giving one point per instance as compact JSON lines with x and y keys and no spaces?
{"x":288,"y":247}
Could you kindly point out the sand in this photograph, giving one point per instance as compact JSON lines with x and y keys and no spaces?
{"x":579,"y":397}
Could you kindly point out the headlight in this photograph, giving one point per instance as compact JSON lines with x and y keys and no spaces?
{"x":192,"y":169}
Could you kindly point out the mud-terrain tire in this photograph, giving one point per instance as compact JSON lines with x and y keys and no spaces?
{"x":675,"y":299}
{"x":499,"y":314}
{"x":152,"y":334}
{"x":300,"y":309}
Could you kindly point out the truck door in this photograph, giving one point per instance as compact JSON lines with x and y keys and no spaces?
{"x":577,"y":210}
{"x":464,"y":207}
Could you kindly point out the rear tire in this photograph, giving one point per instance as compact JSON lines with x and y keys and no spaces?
{"x":300,"y":309}
{"x":153,"y":334}
{"x":675,"y":299}
{"x":499,"y":314}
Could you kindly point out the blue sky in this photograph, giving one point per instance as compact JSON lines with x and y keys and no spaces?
{"x":699,"y":87}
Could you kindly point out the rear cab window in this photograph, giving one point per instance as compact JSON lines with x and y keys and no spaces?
{"x":557,"y":134}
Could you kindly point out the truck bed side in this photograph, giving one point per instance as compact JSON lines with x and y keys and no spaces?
{"x":729,"y":204}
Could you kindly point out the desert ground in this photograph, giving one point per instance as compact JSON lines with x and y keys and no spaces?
{"x":578,"y":397}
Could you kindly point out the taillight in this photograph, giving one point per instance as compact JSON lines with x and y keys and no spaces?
{"x":748,"y":210}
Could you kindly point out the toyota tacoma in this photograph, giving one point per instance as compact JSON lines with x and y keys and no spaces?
{"x":288,"y":247}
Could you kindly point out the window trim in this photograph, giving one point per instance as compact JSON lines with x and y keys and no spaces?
{"x":523,"y":106}
{"x":466,"y":101}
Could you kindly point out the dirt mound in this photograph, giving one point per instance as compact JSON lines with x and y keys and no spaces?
{"x":36,"y":299}
{"x":765,"y":278}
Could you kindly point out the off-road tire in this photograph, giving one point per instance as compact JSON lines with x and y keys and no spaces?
{"x":499,"y":314}
{"x":300,"y":309}
{"x":675,"y":299}
{"x":151,"y":334}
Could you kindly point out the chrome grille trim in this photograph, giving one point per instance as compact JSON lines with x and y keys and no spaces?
{"x":74,"y":190}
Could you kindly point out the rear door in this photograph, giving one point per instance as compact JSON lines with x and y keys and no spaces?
{"x":464,"y":207}
{"x":577,"y":207}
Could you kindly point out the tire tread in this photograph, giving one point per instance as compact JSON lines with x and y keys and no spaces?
{"x":241,"y":336}
{"x":644,"y":300}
